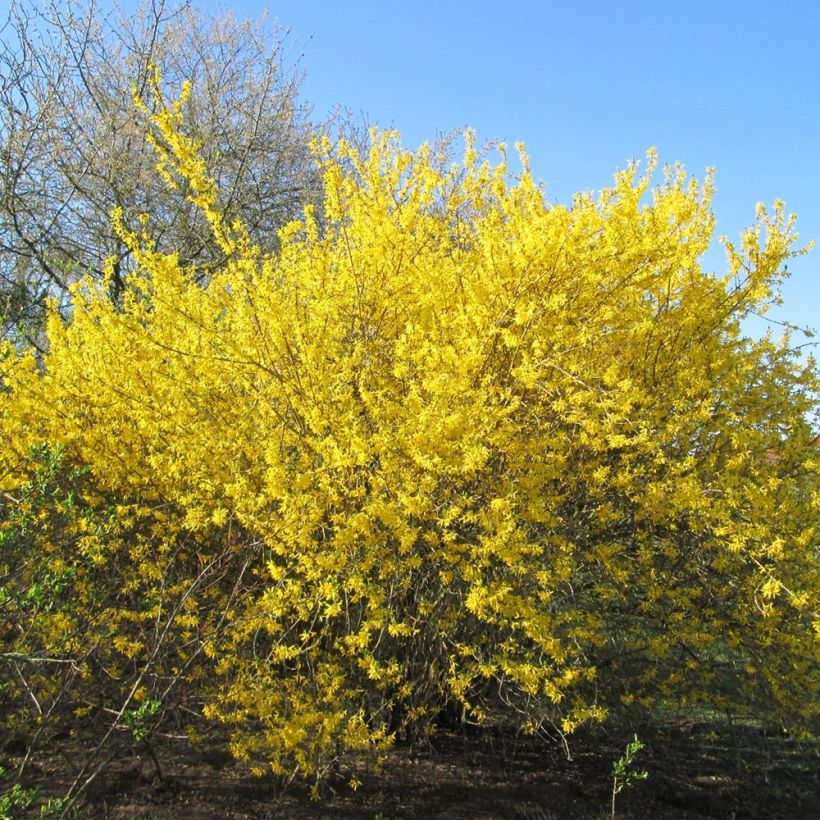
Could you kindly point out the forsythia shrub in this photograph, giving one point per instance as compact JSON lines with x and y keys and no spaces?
{"x":451,"y":447}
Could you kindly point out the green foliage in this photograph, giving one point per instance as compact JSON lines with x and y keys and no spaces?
{"x":13,"y":803}
{"x":137,"y":719}
{"x":623,"y":772}
{"x":19,"y":801}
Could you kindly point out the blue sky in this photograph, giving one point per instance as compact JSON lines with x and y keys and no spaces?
{"x":587,"y":85}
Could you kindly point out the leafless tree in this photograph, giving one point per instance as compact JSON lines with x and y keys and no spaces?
{"x":72,"y":143}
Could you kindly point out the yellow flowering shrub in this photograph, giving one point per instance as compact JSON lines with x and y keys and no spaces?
{"x":452,"y":448}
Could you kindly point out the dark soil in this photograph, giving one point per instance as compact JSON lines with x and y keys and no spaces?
{"x":694,"y":771}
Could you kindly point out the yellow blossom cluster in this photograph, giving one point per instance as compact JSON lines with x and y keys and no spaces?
{"x":451,"y":447}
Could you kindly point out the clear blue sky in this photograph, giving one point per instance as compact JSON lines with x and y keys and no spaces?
{"x":587,"y":85}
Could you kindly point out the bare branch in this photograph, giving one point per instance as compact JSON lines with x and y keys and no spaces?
{"x":72,"y":144}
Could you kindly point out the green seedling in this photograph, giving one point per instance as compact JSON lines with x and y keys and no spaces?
{"x":623,"y":772}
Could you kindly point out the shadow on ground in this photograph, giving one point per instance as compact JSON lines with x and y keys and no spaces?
{"x":694,"y":771}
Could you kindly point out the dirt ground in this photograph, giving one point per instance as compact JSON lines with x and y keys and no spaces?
{"x":694,"y":771}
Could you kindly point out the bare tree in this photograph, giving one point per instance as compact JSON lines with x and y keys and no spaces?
{"x":72,"y":143}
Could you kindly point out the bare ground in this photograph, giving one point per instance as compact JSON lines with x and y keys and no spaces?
{"x":695,"y":770}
